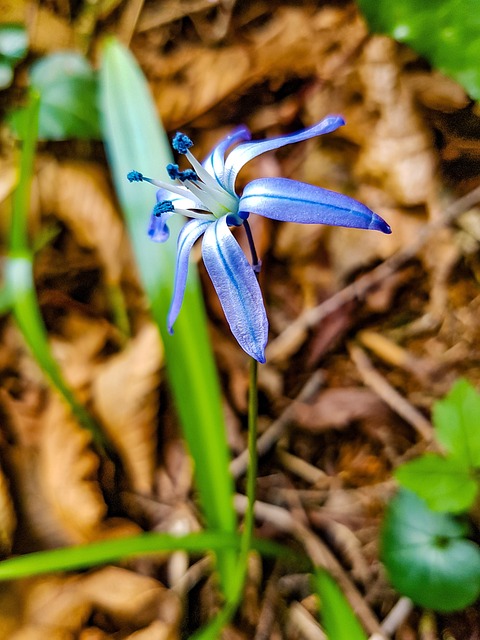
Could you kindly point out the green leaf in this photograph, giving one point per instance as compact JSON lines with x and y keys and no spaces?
{"x":446,"y":32}
{"x":426,"y":556}
{"x":457,"y":423}
{"x":68,"y":96}
{"x":338,"y":619}
{"x":13,"y":43}
{"x":135,"y":140}
{"x":446,"y":484}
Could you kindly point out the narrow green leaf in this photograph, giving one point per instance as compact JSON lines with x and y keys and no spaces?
{"x":135,"y":139}
{"x":19,"y":285}
{"x":108,"y":551}
{"x":457,"y":423}
{"x":338,"y":619}
{"x":446,"y":484}
{"x":426,"y":556}
{"x":446,"y":32}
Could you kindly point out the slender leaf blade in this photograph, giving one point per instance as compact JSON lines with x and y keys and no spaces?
{"x":338,"y":619}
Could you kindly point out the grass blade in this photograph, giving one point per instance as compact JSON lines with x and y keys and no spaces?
{"x":108,"y":551}
{"x":20,"y":289}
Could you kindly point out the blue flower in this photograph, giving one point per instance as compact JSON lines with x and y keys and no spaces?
{"x":206,"y":194}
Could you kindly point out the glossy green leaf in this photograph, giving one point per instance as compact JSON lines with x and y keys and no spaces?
{"x":68,"y":96}
{"x":457,"y":423}
{"x":427,"y":557}
{"x":135,"y":139}
{"x":338,"y":619}
{"x":13,"y":42}
{"x":446,"y":32}
{"x":446,"y":484}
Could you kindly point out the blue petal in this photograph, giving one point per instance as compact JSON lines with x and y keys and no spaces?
{"x":215,"y":162}
{"x":242,"y":154}
{"x":158,"y":230}
{"x":293,"y":201}
{"x":186,"y":239}
{"x":237,"y":288}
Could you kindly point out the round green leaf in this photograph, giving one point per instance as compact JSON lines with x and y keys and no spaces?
{"x":68,"y":97}
{"x":426,"y":556}
{"x":445,"y":483}
{"x":13,"y":42}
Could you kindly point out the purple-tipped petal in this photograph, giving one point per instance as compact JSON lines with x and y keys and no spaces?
{"x":237,"y":288}
{"x":158,"y":230}
{"x":245,"y":152}
{"x":186,"y":239}
{"x":293,"y":201}
{"x":215,"y":162}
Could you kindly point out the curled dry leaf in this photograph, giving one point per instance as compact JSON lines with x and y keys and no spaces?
{"x":125,"y":399}
{"x":59,"y":607}
{"x":59,"y":498}
{"x":78,"y":194}
{"x":68,"y":469}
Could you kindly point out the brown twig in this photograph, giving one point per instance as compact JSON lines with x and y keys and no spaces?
{"x":373,"y":379}
{"x":320,"y":555}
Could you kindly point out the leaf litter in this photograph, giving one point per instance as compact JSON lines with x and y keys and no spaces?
{"x":409,"y":150}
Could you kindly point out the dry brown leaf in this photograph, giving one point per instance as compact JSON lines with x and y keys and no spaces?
{"x":338,"y":408}
{"x":78,"y":194}
{"x":125,"y":399}
{"x":68,"y":469}
{"x":292,"y":41}
{"x":76,"y":352}
{"x":395,"y":145}
{"x":55,"y":482}
{"x":57,"y":608}
{"x":126,"y":596}
{"x":8,"y":520}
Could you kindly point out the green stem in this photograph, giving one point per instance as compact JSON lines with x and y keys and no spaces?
{"x":213,"y":629}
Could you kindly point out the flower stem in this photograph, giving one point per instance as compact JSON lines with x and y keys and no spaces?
{"x":256,"y":263}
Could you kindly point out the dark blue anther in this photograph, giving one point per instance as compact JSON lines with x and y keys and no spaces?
{"x":165,"y":206}
{"x":173,"y":171}
{"x":135,"y":176}
{"x":181,"y":143}
{"x":175,"y":174}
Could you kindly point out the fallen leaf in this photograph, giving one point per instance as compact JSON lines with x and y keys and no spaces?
{"x":55,"y":483}
{"x":8,"y":520}
{"x":125,"y":399}
{"x":77,"y":193}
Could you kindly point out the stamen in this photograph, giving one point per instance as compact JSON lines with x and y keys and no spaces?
{"x":165,"y":206}
{"x":181,"y":142}
{"x":135,"y":176}
{"x":175,"y":174}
